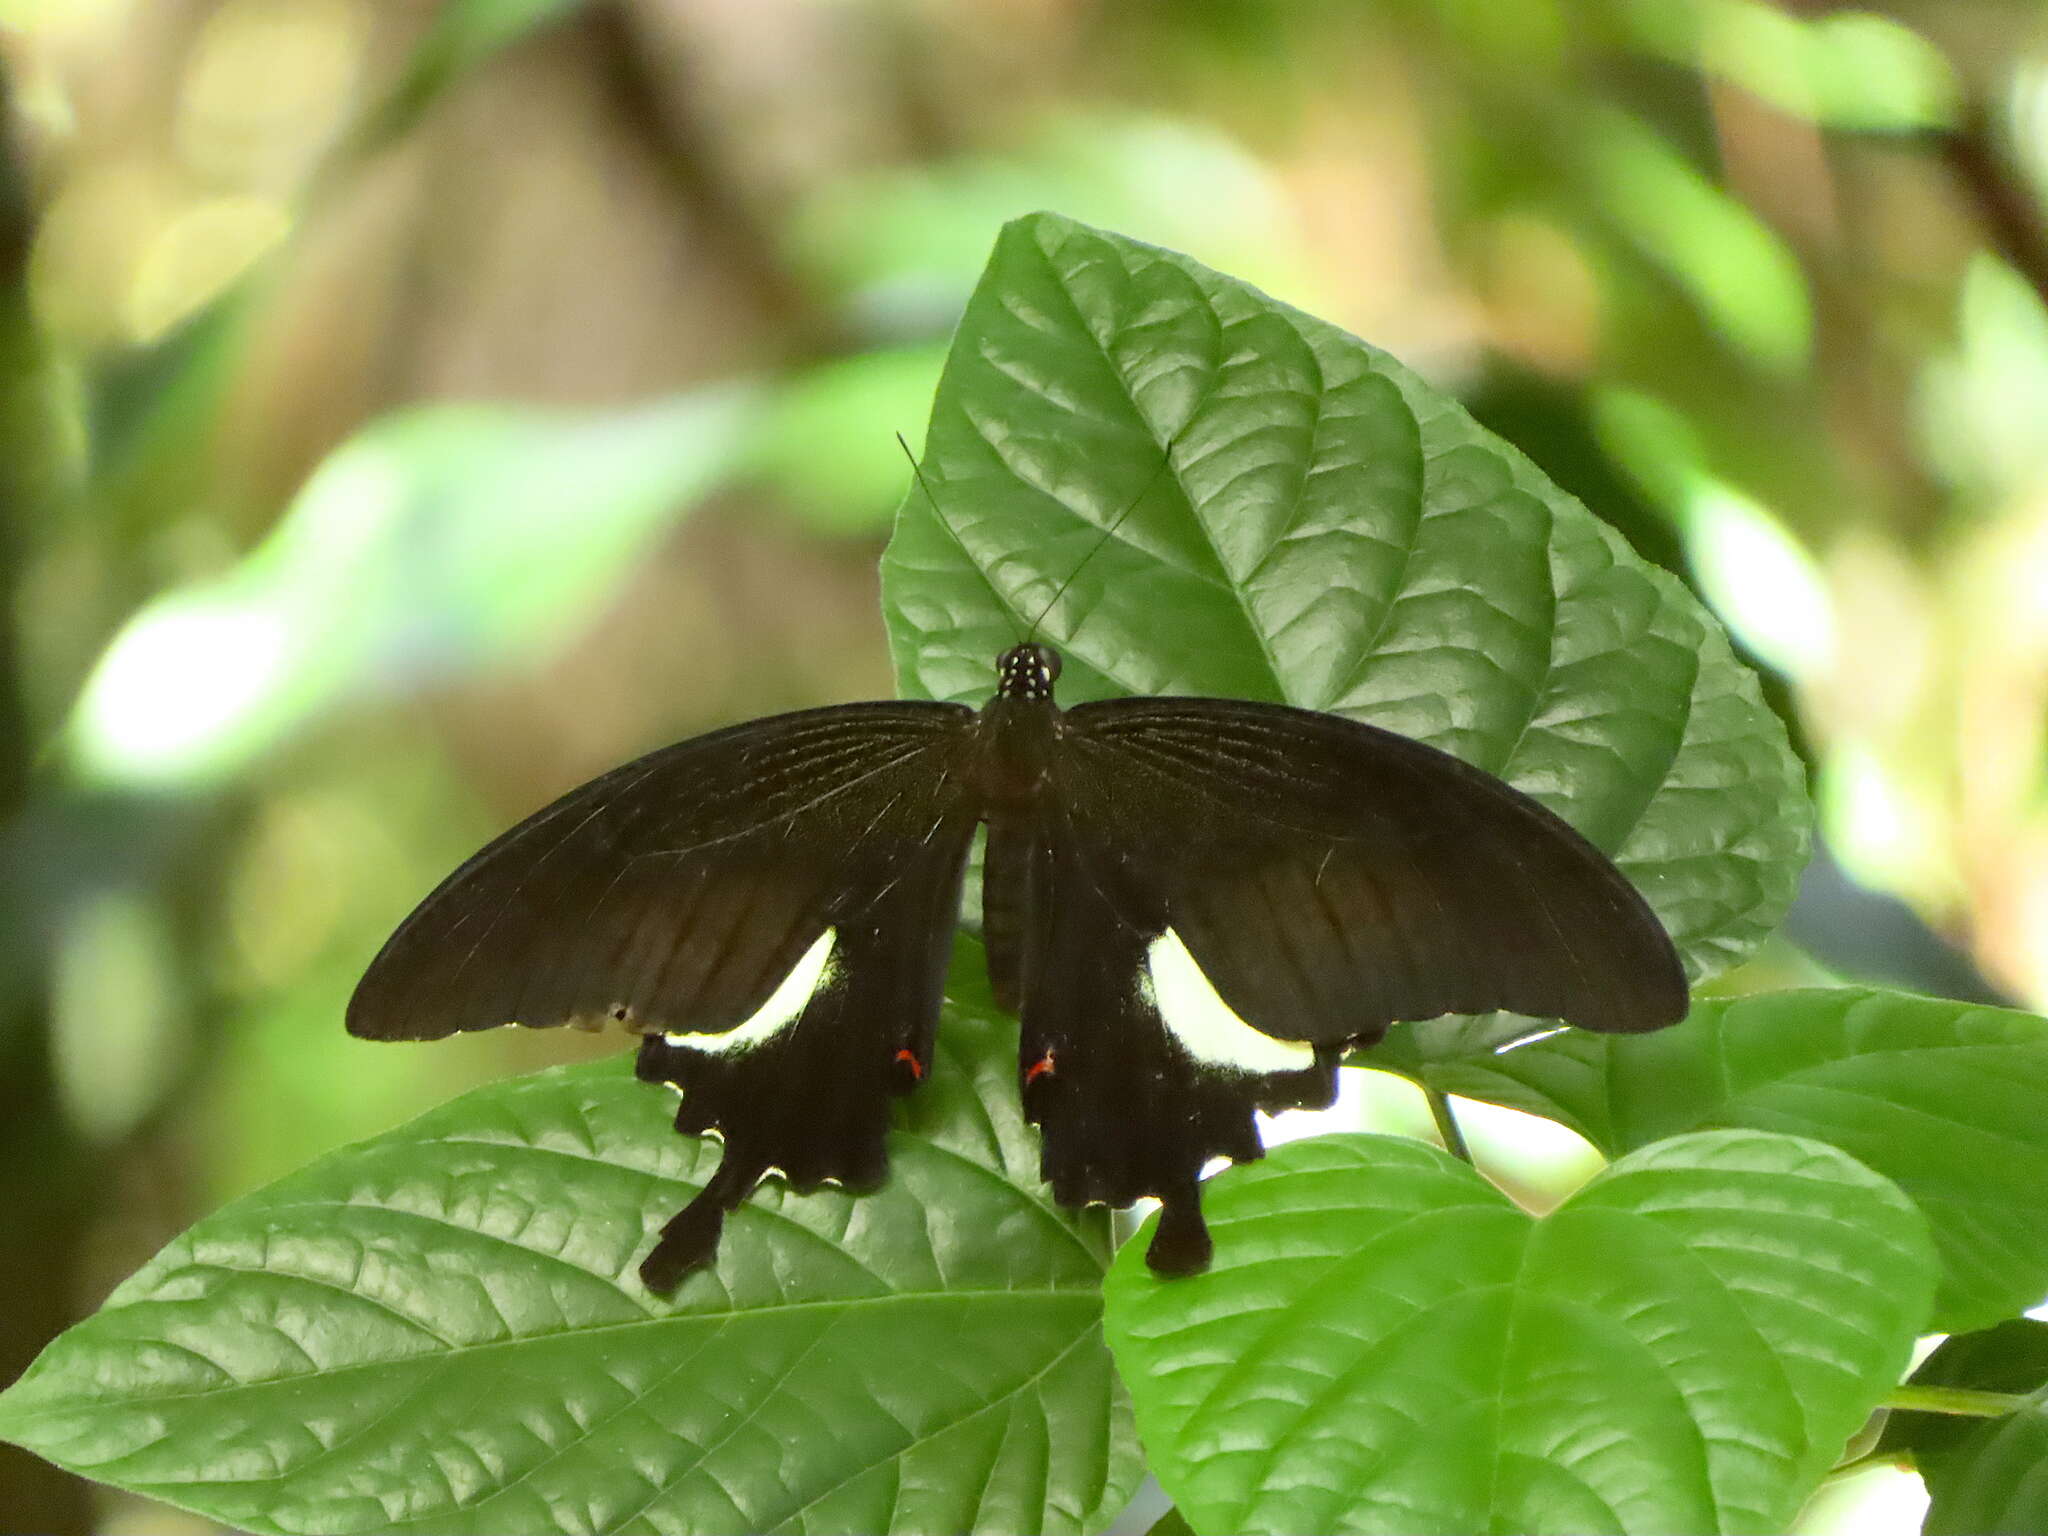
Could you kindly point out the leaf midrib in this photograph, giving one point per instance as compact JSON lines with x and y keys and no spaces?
{"x":436,"y":1357}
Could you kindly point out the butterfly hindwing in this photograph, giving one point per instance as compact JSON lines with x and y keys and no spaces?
{"x":1333,"y":879}
{"x":1217,"y":898}
{"x":807,"y":1094}
{"x":1134,"y":1081}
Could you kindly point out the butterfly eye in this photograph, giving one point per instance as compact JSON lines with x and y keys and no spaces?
{"x":1048,"y":661}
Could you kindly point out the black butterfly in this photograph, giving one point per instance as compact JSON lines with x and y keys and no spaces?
{"x":1194,"y":905}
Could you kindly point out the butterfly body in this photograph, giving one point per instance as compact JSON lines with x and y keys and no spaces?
{"x":1194,"y":907}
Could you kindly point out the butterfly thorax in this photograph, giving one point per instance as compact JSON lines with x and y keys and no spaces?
{"x":1019,"y":729}
{"x":1027,"y":672}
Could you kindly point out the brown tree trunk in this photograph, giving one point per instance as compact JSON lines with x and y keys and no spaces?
{"x":42,"y":1205}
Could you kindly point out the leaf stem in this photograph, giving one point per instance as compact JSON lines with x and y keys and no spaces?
{"x":1447,"y":1123}
{"x":1963,"y":1400}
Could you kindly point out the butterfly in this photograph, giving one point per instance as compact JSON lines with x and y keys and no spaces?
{"x":1193,"y":906}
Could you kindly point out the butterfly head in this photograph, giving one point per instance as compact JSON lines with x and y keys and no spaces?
{"x":1027,"y":671}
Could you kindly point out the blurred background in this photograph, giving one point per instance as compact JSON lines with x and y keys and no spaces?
{"x":408,"y":410}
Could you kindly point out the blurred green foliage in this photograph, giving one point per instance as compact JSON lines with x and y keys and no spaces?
{"x":411,"y":410}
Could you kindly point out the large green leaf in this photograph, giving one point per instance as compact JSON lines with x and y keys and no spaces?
{"x":1948,"y":1100}
{"x":440,"y":1330}
{"x":1327,"y":531}
{"x":1386,"y":1344}
{"x":1985,"y":1477}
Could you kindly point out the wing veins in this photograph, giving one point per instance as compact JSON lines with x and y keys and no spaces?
{"x":783,"y":818}
{"x":511,"y":896}
{"x":1151,"y":763}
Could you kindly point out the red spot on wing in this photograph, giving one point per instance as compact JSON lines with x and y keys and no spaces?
{"x":1039,"y":1068}
{"x":916,"y":1066}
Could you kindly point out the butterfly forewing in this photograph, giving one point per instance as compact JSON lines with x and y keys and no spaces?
{"x":1332,"y":879}
{"x":1118,"y":1051}
{"x":674,"y":893}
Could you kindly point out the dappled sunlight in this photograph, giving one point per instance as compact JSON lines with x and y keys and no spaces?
{"x":185,"y":689}
{"x":431,"y":544}
{"x":413,"y":409}
{"x":1851,"y":70}
{"x":1760,"y":579}
{"x":195,"y":258}
{"x":1881,"y":1500}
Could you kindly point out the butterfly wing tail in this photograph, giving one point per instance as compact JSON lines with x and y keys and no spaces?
{"x":804,"y":1091}
{"x":690,"y":1239}
{"x":1181,"y":1245}
{"x":1130,"y":1098}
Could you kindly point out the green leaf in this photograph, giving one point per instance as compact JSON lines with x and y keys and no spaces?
{"x":1998,"y":1485}
{"x":1330,"y":532}
{"x":440,"y":1329}
{"x":827,"y":442}
{"x":440,"y":539}
{"x":1948,"y":1100}
{"x":1739,"y":272}
{"x":1386,"y":1344}
{"x":1985,"y":1477}
{"x":1854,"y":71}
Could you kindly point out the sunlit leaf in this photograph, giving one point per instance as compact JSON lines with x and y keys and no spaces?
{"x":1856,"y":70}
{"x":1754,"y":571}
{"x":441,"y":1330}
{"x":1308,"y":522}
{"x":445,"y":538}
{"x":116,"y":1035}
{"x":1385,"y":1343}
{"x":1984,"y":408}
{"x":1948,"y":1100}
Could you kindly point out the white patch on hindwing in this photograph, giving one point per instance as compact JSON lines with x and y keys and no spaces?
{"x":1202,"y":1023}
{"x":784,"y":1007}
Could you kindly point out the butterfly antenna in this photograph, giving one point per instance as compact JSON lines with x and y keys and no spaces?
{"x":925,"y":486}
{"x":1108,"y":533}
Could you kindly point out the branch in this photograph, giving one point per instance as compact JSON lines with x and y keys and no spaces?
{"x":2004,"y":204}
{"x":658,"y":109}
{"x":1447,"y":1126}
{"x":1967,"y":1401}
{"x":42,"y":1190}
